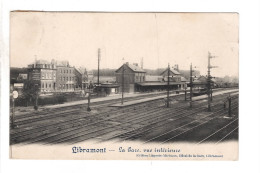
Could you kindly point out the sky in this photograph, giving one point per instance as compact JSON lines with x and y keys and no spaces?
{"x":158,"y":38}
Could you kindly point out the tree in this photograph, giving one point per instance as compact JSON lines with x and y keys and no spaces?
{"x":31,"y":91}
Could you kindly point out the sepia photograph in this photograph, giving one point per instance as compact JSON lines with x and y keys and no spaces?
{"x":124,"y":86}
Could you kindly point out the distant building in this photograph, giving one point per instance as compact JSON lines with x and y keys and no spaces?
{"x":43,"y":74}
{"x":202,"y":82}
{"x":174,"y":75}
{"x":22,"y":77}
{"x":84,"y":77}
{"x":66,"y":78}
{"x":160,"y":83}
{"x":132,"y":75}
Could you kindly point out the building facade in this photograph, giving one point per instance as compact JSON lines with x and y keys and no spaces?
{"x":66,"y":78}
{"x":128,"y":75}
{"x":43,"y":75}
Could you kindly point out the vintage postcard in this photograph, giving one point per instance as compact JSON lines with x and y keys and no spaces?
{"x":124,"y":86}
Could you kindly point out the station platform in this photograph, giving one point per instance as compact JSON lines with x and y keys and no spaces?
{"x":95,"y":100}
{"x":134,"y":102}
{"x":215,"y":94}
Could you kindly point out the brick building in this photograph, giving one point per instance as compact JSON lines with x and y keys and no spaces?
{"x":132,"y":74}
{"x":84,"y":77}
{"x":66,"y":78}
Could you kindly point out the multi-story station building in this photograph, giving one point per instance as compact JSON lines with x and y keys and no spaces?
{"x":66,"y":78}
{"x":43,"y":74}
{"x":130,"y":74}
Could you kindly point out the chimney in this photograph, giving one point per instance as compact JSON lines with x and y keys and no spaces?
{"x":142,"y":63}
{"x":35,"y":62}
{"x":127,"y":63}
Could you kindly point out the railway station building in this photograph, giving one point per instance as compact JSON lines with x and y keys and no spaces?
{"x":160,"y":83}
{"x":130,"y":74}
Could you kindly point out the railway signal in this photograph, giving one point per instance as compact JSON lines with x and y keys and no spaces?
{"x":168,"y":86}
{"x":191,"y":84}
{"x":98,"y":64}
{"x":209,"y":92}
{"x":14,"y":96}
{"x":89,"y":90}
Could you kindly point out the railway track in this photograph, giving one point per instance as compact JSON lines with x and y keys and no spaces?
{"x":97,"y":118}
{"x":132,"y":135}
{"x":85,"y":134}
{"x":78,"y":129}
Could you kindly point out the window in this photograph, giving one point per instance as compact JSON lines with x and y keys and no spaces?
{"x":67,"y":78}
{"x":70,"y":78}
{"x":64,"y":79}
{"x":46,"y":85}
{"x":42,"y":85}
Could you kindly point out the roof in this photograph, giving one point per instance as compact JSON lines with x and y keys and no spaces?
{"x":172,"y":70}
{"x":108,"y":85}
{"x":81,"y":70}
{"x":183,"y":79}
{"x":109,"y":79}
{"x":63,"y":63}
{"x":135,"y":68}
{"x":153,"y":78}
{"x":41,"y":61}
{"x":158,"y":83}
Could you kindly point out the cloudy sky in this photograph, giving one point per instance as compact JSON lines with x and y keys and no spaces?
{"x":158,"y":38}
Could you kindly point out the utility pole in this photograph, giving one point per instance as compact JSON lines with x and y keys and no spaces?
{"x":89,"y":92}
{"x":168,"y":86}
{"x":142,"y":63}
{"x":98,"y":65}
{"x":36,"y":86}
{"x":209,"y":81}
{"x":123,"y":73}
{"x":191,"y":85}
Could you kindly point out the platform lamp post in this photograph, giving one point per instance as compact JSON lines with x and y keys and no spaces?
{"x":191,"y":85}
{"x":123,"y":87}
{"x":36,"y":87}
{"x":88,"y":91}
{"x":185,"y":91}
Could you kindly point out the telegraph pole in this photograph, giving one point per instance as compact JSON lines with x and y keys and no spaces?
{"x":98,"y":65}
{"x":123,"y":73}
{"x":168,"y":86}
{"x":209,"y":81}
{"x":191,"y":85}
